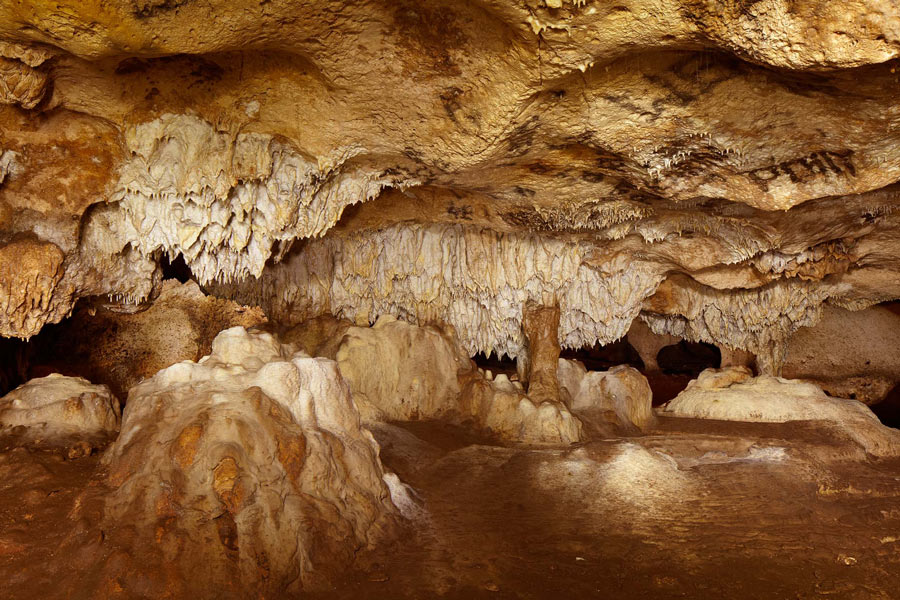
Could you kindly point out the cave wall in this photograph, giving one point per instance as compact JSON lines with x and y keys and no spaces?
{"x":720,"y":170}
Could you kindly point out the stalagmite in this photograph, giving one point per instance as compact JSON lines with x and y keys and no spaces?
{"x":733,"y":394}
{"x":248,"y":469}
{"x":61,"y":411}
{"x":473,"y":230}
{"x":540,"y":325}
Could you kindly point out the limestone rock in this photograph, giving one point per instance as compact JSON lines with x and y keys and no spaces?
{"x":503,"y":409}
{"x":31,"y":293}
{"x":60,"y":410}
{"x":733,"y":395}
{"x":648,"y":344}
{"x":849,"y":354}
{"x":719,"y":170}
{"x":247,"y":470}
{"x":402,"y":372}
{"x":541,"y":328}
{"x":620,"y":396}
{"x":120,"y":350}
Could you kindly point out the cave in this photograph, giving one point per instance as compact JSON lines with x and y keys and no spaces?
{"x":444,"y":299}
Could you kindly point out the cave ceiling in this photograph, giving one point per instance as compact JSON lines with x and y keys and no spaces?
{"x":721,"y":170}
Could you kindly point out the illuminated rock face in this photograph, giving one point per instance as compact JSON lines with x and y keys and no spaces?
{"x":733,"y":395}
{"x":59,"y":409}
{"x":248,"y":469}
{"x":719,"y":172}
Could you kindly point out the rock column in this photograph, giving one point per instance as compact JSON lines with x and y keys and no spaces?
{"x":541,"y":327}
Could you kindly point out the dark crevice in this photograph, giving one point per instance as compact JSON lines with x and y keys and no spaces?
{"x":688,"y":358}
{"x":602,"y":358}
{"x":888,"y":410}
{"x":495,"y":364}
{"x":176,"y":269}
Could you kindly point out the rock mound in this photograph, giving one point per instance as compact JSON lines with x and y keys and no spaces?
{"x":247,"y":470}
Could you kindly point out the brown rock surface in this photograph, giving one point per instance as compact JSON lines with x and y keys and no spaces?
{"x":59,"y":412}
{"x":848,"y":354}
{"x":247,"y":471}
{"x":673,"y":158}
{"x":121,"y":349}
{"x":540,"y":325}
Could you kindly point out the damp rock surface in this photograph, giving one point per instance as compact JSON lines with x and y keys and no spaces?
{"x":246,"y":470}
{"x":732,"y":394}
{"x":57,"y":409}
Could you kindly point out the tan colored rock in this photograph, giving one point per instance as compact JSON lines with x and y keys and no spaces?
{"x":247,"y":471}
{"x":31,"y":293}
{"x":541,"y":326}
{"x":401,"y":372}
{"x":20,"y":84}
{"x":620,"y":396}
{"x":502,"y":408}
{"x":60,"y":410}
{"x":848,"y":354}
{"x":648,"y":344}
{"x":733,"y":395}
{"x":721,"y":170}
{"x":712,"y":379}
{"x":320,"y":336}
{"x":120,"y":350}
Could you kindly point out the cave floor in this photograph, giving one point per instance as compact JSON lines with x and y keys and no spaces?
{"x":696,"y":509}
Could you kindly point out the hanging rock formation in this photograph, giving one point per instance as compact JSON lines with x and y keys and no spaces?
{"x":605,"y":158}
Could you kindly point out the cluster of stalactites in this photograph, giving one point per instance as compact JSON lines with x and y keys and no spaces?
{"x":479,"y":280}
{"x":227,"y":203}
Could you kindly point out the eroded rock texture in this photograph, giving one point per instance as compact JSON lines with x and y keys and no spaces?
{"x":732,"y":394}
{"x":402,"y":372}
{"x":721,"y":171}
{"x":60,"y":411}
{"x":247,"y":472}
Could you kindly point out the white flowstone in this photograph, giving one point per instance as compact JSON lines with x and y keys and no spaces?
{"x":61,"y":407}
{"x":265,"y":438}
{"x":732,"y":395}
{"x":621,"y":392}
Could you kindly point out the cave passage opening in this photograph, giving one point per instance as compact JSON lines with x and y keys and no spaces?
{"x":496,"y":363}
{"x":600,"y":357}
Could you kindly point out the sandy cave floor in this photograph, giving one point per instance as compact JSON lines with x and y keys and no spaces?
{"x":697,"y":509}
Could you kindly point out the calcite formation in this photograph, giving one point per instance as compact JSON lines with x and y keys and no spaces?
{"x":849,"y":354}
{"x":60,"y":411}
{"x":122,"y":349}
{"x":732,"y":394}
{"x":248,"y":470}
{"x":402,"y":372}
{"x":397,"y":188}
{"x":669,"y":161}
{"x":621,"y":396}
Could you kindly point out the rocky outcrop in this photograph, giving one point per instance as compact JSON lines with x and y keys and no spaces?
{"x":61,"y":411}
{"x":540,"y":324}
{"x":733,"y":394}
{"x":501,"y":408}
{"x":620,"y":397}
{"x":31,"y":293}
{"x":122,"y":349}
{"x":402,"y":372}
{"x":848,"y":354}
{"x":247,"y":470}
{"x":604,"y":158}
